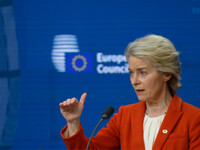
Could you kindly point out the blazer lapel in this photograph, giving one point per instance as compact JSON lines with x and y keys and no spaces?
{"x":138,"y":118}
{"x":172,"y":117}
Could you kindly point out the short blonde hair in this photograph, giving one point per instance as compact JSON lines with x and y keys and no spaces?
{"x":160,"y":53}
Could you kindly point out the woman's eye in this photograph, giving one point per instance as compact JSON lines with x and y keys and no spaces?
{"x":143,"y":73}
{"x":130,"y":72}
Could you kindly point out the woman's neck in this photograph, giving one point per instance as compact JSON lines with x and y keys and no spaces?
{"x":158,"y":107}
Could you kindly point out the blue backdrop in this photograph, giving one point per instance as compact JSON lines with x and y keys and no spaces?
{"x":69,"y":47}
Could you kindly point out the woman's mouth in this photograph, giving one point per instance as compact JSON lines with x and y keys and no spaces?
{"x":139,"y":91}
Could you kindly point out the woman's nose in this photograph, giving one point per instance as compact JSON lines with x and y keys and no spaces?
{"x":134,"y":79}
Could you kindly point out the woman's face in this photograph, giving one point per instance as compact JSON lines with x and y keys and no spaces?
{"x":149,"y":84}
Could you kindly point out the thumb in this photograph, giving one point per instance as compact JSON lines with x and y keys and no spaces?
{"x":82,"y":99}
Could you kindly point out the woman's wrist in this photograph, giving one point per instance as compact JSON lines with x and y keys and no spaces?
{"x":73,"y":127}
{"x":75,"y":131}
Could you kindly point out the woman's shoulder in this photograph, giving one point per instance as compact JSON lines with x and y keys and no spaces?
{"x":134,"y":106}
{"x":180,"y":105}
{"x":190,"y":113}
{"x":190,"y":109}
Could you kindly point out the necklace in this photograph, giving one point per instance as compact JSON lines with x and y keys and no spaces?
{"x":151,"y":116}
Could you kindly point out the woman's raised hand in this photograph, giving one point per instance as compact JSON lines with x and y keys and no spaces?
{"x":71,"y":109}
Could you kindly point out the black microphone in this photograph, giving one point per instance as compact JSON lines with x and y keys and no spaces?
{"x":108,"y":112}
{"x":105,"y":115}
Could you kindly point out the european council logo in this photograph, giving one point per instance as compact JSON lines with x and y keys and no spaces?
{"x":78,"y":62}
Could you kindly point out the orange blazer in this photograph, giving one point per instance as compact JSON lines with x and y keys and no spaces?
{"x":180,"y":129}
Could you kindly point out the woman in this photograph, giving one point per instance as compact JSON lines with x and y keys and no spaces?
{"x":161,"y":120}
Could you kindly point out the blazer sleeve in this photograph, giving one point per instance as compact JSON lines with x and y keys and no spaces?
{"x":76,"y":141}
{"x":194,"y":133}
{"x":106,"y":138}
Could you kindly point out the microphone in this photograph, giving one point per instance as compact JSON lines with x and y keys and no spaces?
{"x":105,"y":115}
{"x":108,"y":112}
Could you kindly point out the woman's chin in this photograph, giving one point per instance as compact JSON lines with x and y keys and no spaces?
{"x":140,"y":98}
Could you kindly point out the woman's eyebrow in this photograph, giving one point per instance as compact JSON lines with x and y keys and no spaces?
{"x":140,"y":68}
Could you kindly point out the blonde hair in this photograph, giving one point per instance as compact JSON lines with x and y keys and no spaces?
{"x":160,"y":53}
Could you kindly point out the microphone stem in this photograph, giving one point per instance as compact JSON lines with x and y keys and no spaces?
{"x":93,"y":133}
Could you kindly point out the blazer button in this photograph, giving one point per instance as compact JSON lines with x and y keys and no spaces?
{"x":164,"y":131}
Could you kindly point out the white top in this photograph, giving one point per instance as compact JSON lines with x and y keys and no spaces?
{"x":151,"y":126}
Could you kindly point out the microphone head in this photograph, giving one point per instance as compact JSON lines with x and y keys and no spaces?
{"x":108,"y":112}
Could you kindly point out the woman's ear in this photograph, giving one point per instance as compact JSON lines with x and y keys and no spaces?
{"x":167,"y":76}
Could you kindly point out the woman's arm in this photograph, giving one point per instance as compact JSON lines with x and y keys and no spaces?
{"x":71,"y":110}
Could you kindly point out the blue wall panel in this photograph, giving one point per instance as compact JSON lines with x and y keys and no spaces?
{"x":48,"y":30}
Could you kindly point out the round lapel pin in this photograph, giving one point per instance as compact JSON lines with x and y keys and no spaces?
{"x":164,"y":131}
